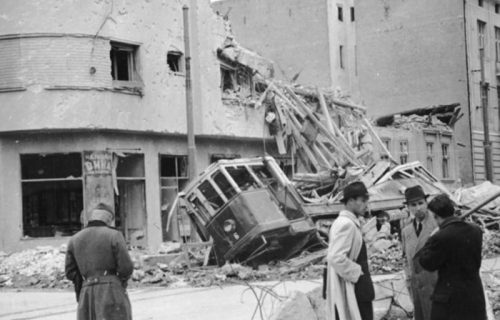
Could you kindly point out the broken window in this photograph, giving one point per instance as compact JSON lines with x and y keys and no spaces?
{"x":243,"y":178}
{"x":352,"y":14}
{"x":173,"y":178}
{"x":123,"y":61}
{"x":52,"y":191}
{"x":341,"y":57}
{"x":430,"y":156}
{"x":228,"y":78}
{"x":403,"y":152}
{"x":130,"y":202}
{"x":444,"y":152}
{"x":174,"y":61}
{"x":340,"y":13}
{"x":224,"y":185}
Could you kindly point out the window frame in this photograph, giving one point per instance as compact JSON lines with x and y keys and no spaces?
{"x":132,"y":63}
{"x":24,"y":181}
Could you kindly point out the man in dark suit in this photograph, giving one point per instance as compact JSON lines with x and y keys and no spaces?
{"x":98,"y":255}
{"x":455,"y":252}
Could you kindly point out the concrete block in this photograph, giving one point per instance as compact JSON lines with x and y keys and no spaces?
{"x":296,"y":307}
{"x":381,"y":308}
{"x":167,"y":259}
{"x":318,"y":303}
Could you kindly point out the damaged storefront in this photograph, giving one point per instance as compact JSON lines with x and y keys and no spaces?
{"x":59,"y":190}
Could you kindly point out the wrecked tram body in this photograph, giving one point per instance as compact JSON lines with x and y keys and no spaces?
{"x":251,"y":211}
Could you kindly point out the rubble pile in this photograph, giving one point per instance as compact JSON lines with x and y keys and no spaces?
{"x":417,"y":122}
{"x":42,"y":267}
{"x":387,"y":261}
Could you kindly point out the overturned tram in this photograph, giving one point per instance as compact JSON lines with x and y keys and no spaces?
{"x":251,"y":211}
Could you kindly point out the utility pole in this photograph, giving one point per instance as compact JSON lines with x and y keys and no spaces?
{"x":486,"y":127}
{"x":189,"y":97}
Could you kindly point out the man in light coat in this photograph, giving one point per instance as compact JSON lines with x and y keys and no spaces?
{"x":349,"y":285}
{"x":414,"y":236}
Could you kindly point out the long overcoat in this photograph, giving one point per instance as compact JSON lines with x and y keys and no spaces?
{"x":99,"y":255}
{"x":345,"y":243}
{"x":455,"y":252}
{"x":421,"y":282}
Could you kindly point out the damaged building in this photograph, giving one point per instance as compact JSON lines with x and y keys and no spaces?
{"x":94,"y":110}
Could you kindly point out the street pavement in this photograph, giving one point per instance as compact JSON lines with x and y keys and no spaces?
{"x":236,"y":302}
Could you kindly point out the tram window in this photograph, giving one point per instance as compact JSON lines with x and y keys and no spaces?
{"x":243,"y":178}
{"x":213,"y":198}
{"x":265,"y":175}
{"x":224,"y":185}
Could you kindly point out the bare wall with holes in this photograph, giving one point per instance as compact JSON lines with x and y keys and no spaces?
{"x":104,"y":64}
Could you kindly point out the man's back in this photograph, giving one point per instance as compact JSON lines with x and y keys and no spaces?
{"x":455,"y":252}
{"x":98,"y":249}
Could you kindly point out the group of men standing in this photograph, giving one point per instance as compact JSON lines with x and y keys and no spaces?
{"x":442,"y":260}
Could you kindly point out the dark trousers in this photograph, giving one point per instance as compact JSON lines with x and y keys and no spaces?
{"x":365,"y":309}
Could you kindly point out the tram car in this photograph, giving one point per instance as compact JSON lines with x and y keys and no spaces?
{"x":251,"y":211}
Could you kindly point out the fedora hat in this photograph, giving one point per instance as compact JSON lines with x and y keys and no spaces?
{"x":354,"y":190}
{"x":414,"y":193}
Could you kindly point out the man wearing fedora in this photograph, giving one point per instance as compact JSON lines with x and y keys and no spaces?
{"x":349,"y":287}
{"x":414,"y":236}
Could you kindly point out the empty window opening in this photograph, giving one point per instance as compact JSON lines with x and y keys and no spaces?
{"x":123,"y":61}
{"x":497,"y":8}
{"x":403,"y":152}
{"x":387,"y":144}
{"x":430,"y":156}
{"x":173,"y":178}
{"x":220,"y":156}
{"x":174,"y":61}
{"x":480,"y":3}
{"x":52,"y":193}
{"x":340,"y":13}
{"x":228,"y":78}
{"x":341,"y":57}
{"x":353,"y":18}
{"x":130,"y":202}
{"x":446,"y":169}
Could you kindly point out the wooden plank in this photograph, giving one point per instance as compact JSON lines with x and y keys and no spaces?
{"x":324,"y":110}
{"x":373,"y":133}
{"x":347,"y":150}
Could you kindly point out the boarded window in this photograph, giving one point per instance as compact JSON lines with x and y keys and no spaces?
{"x":123,"y":62}
{"x":481,"y":30}
{"x":52,"y":190}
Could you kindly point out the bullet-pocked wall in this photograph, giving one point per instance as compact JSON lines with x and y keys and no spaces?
{"x":73,"y":70}
{"x":20,"y":227}
{"x":106,"y":64}
{"x":412,"y":54}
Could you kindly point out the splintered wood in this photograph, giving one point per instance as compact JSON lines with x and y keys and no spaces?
{"x":332,"y":139}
